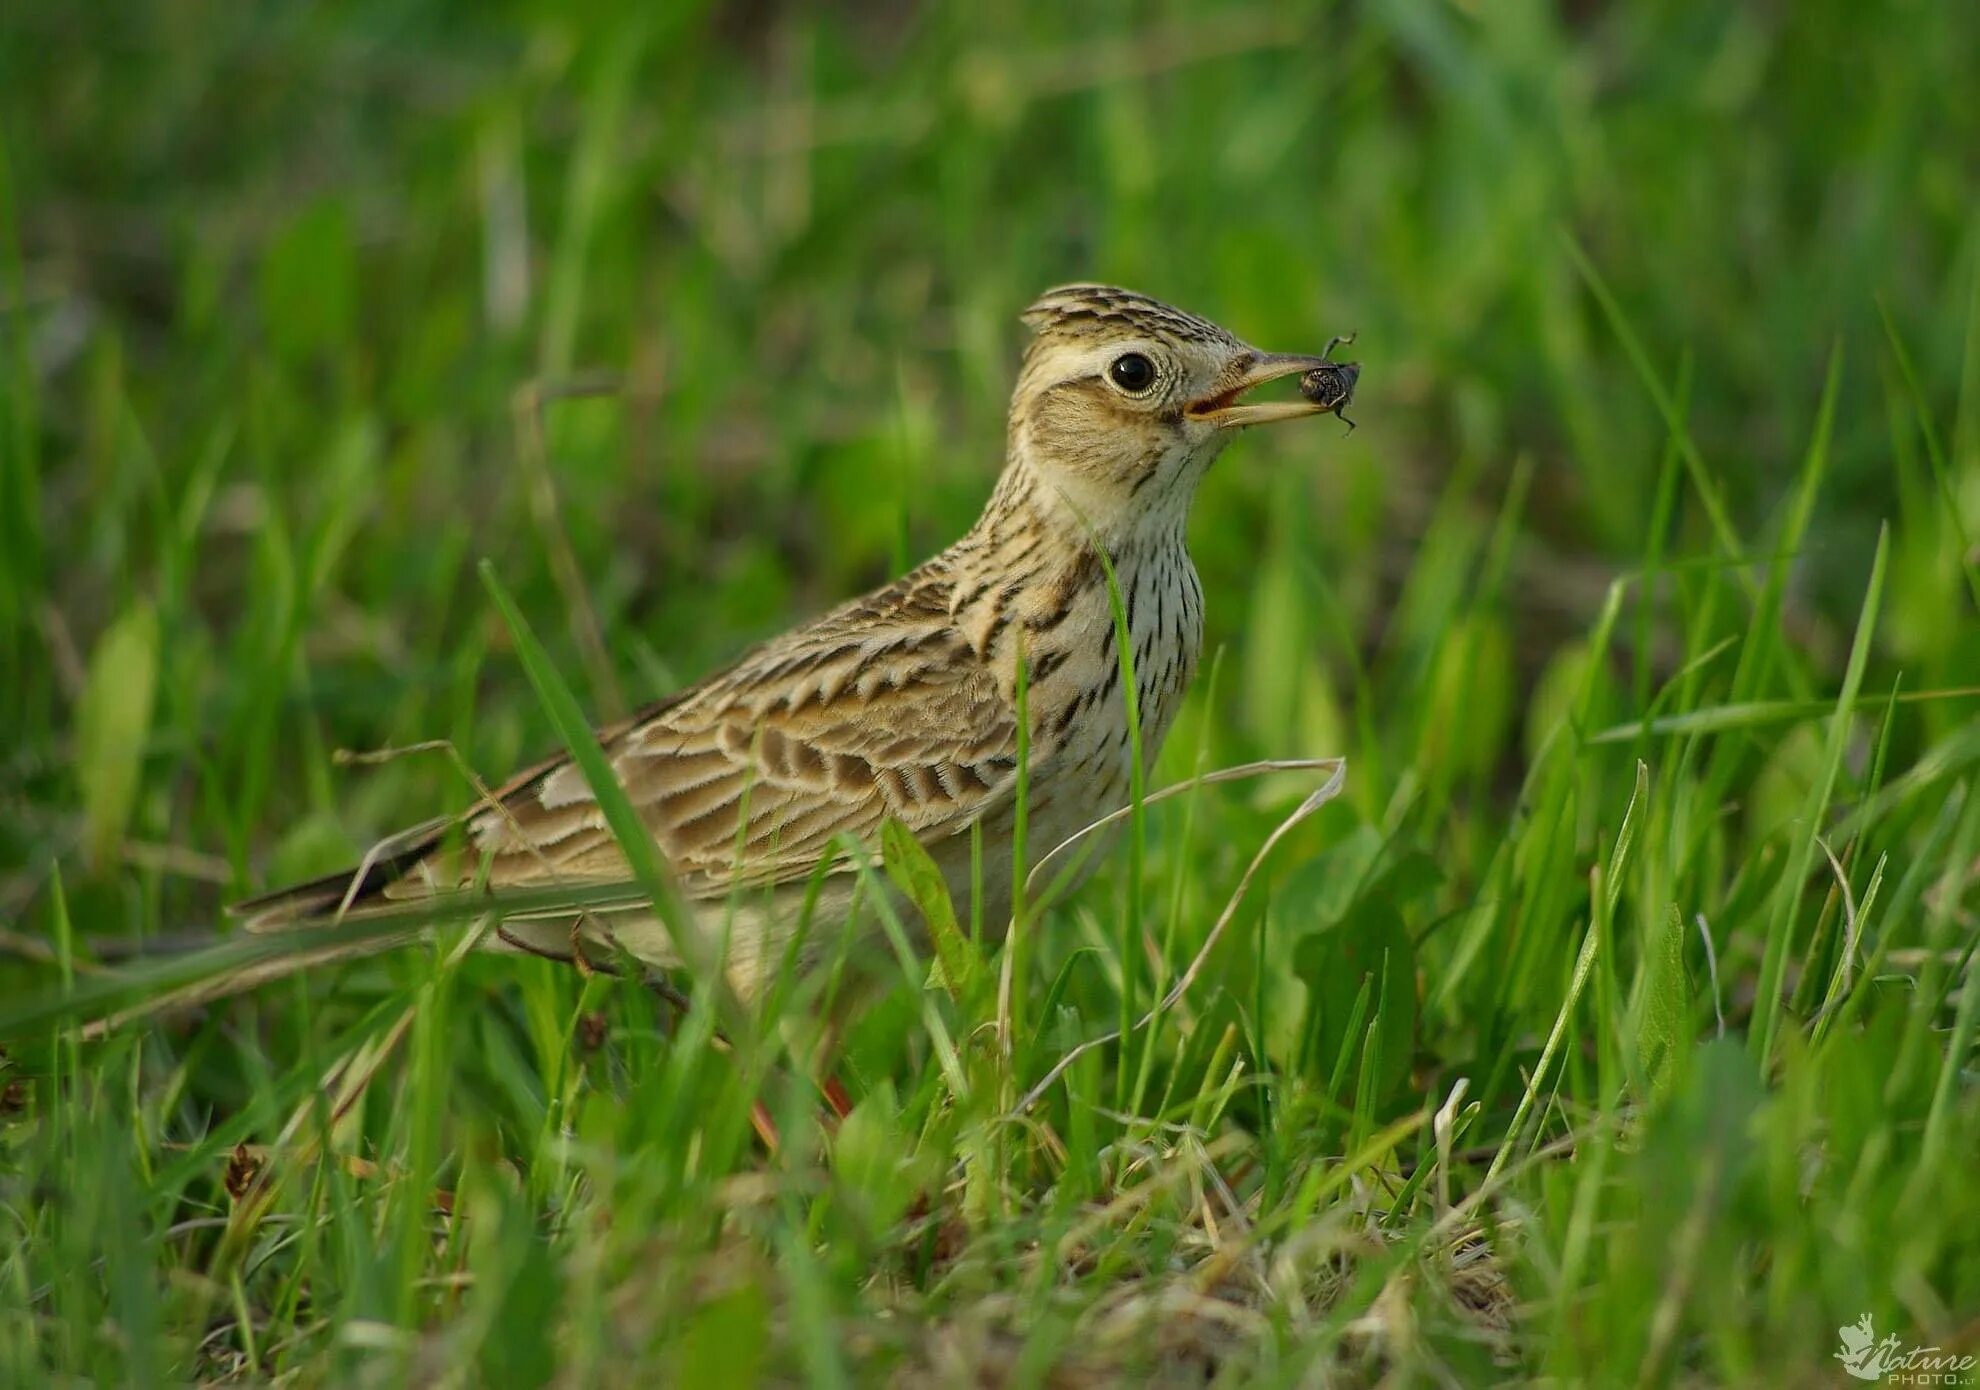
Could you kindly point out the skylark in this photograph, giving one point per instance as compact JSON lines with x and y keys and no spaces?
{"x":903,"y":703}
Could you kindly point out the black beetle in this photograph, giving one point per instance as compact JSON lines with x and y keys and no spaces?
{"x":1331,"y":387}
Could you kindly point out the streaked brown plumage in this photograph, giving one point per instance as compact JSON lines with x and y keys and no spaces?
{"x":902,"y":703}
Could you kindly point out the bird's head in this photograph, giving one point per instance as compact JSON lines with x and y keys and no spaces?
{"x":1124,"y":401}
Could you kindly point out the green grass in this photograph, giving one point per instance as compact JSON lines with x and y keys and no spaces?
{"x":1615,"y":1023}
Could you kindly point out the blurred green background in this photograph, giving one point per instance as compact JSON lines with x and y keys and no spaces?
{"x":697,"y":319}
{"x":283,"y":268}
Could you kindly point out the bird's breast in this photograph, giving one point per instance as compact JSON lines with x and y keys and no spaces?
{"x":1078,"y":689}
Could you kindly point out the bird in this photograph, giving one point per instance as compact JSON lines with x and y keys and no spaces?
{"x":913,"y":703}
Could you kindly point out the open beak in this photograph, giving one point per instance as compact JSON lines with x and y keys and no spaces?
{"x":1226,"y":409}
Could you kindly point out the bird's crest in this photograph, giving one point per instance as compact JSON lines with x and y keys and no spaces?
{"x":1079,"y":310}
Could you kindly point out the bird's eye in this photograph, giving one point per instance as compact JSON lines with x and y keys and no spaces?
{"x":1132,"y":372}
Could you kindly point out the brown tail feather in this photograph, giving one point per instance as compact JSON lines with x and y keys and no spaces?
{"x":302,"y":904}
{"x":308,"y":903}
{"x":238,"y":981}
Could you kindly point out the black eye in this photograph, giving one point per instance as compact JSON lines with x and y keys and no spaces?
{"x":1132,"y":372}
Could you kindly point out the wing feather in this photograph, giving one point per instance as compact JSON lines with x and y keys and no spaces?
{"x":863,"y":715}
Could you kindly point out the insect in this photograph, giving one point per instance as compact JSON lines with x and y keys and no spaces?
{"x":1331,"y":387}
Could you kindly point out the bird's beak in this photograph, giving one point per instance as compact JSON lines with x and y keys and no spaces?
{"x":1226,"y":410}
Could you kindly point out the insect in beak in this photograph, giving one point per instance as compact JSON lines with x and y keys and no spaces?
{"x":1326,"y":387}
{"x":1331,"y":384}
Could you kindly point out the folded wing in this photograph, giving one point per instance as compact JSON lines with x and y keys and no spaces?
{"x":753,"y":775}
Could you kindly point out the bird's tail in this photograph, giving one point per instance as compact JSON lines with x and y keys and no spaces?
{"x":308,"y":904}
{"x":327,"y":899}
{"x":339,"y":917}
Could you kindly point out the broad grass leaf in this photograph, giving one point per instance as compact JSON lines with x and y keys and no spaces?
{"x":521,"y":1283}
{"x":1286,"y":1016}
{"x":1663,"y":1008}
{"x":872,"y":1160}
{"x":1557,"y":696}
{"x":1287,"y":700}
{"x":318,"y":843}
{"x":726,"y":1340}
{"x":1061,"y":982}
{"x":308,"y":282}
{"x":1781,"y":787}
{"x":113,"y":719}
{"x":914,"y":873}
{"x":1319,"y":892}
{"x":1360,"y":866}
{"x":1470,"y":698}
{"x":1404,"y":876}
{"x":1335,"y":963}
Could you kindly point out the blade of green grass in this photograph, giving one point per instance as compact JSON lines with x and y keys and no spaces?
{"x":1788,"y":894}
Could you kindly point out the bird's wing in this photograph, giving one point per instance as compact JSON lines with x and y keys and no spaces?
{"x":879,"y":709}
